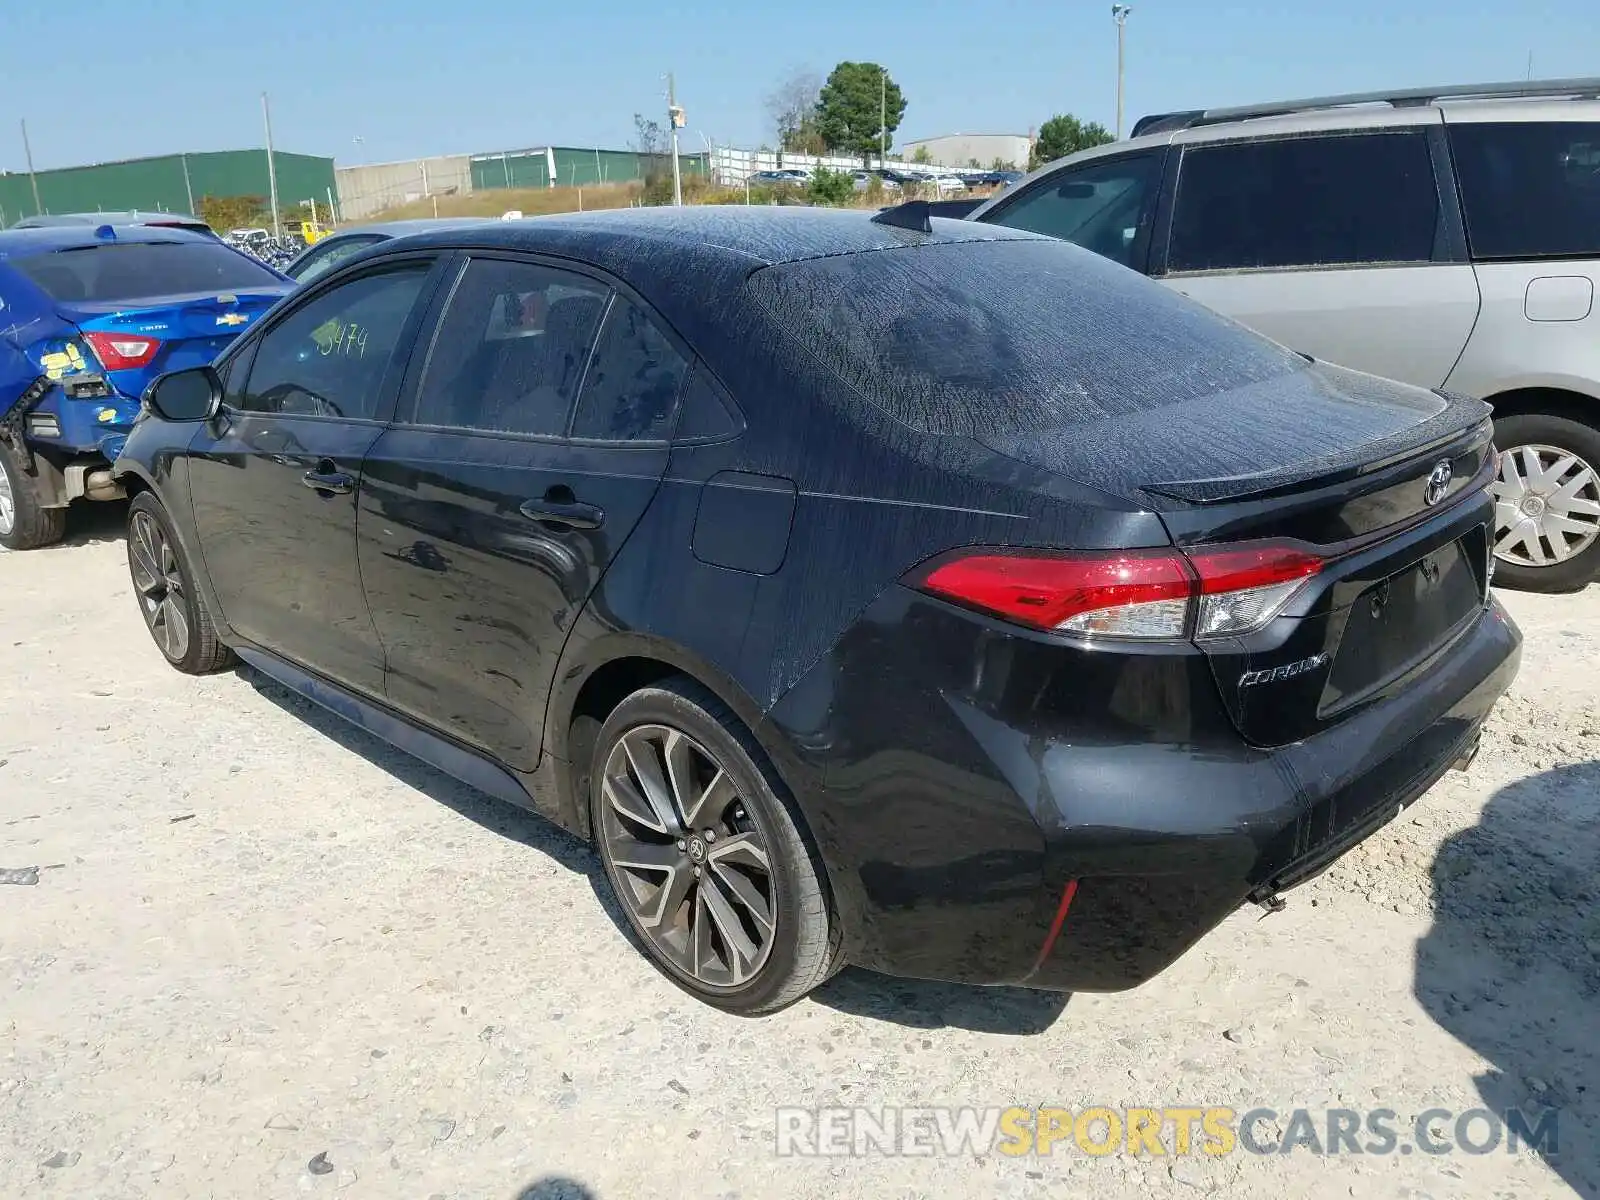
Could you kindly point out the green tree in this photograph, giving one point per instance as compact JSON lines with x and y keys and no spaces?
{"x":223,"y":213}
{"x":857,"y":108}
{"x":1065,"y":134}
{"x":830,"y":187}
{"x":922,"y":156}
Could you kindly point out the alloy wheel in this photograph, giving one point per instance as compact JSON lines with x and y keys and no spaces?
{"x":159,"y":582}
{"x":8,"y":504}
{"x":690,"y":862}
{"x":1547,"y":506}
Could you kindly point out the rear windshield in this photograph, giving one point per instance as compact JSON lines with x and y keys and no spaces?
{"x":134,"y":270}
{"x":984,"y":338}
{"x":1530,"y":190}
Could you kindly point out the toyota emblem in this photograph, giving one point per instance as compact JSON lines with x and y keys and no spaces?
{"x":1438,"y":483}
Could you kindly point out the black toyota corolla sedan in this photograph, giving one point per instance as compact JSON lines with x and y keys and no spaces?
{"x":911,"y":593}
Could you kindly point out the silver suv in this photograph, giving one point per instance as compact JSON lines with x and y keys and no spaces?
{"x":1447,"y":237}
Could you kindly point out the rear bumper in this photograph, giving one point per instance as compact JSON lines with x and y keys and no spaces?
{"x":956,"y":867}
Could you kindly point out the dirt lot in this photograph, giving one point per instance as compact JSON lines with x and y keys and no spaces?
{"x":258,"y":937}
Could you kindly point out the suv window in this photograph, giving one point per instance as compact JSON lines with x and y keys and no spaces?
{"x":512,"y":349}
{"x":631,"y":392}
{"x":1308,"y":201}
{"x":1530,"y":190}
{"x":1100,"y":206}
{"x":328,"y":358}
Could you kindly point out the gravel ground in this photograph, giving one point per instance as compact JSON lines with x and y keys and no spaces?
{"x":267,"y":956}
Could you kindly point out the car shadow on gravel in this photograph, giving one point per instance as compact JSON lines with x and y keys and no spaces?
{"x":556,"y":1187}
{"x":914,"y":1003}
{"x":89,"y":524}
{"x":1511,"y":966}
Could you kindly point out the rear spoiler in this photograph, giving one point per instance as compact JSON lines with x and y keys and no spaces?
{"x":1461,"y":426}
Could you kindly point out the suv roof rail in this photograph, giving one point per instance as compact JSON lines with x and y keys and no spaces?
{"x":1409,"y":98}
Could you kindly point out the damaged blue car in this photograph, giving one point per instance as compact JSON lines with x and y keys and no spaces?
{"x":89,"y":315}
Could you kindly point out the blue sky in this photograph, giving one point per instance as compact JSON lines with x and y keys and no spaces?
{"x":414,"y":77}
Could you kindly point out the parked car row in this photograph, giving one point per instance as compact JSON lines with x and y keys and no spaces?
{"x":941,"y":596}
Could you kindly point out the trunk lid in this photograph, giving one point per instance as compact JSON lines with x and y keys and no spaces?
{"x":191,"y":329}
{"x":1383,"y":481}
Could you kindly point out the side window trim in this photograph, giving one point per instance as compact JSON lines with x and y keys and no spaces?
{"x":1444,"y":192}
{"x":399,"y":362}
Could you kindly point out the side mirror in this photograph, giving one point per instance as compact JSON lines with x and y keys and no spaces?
{"x":191,"y":395}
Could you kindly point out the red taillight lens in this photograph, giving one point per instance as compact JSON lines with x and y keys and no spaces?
{"x":1155,"y":595}
{"x":120,"y":351}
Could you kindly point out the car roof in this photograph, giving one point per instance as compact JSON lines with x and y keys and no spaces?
{"x":130,"y":216}
{"x":751,"y":235}
{"x":24,"y":243}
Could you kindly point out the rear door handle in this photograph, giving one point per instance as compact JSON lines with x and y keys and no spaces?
{"x":574,"y":514}
{"x":327,"y":478}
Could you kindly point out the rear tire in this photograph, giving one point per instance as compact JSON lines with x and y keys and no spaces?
{"x":163,"y":583}
{"x":715,"y":875}
{"x":1547,"y":503}
{"x":25,"y":524}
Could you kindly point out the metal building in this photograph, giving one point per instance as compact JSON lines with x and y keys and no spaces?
{"x":972,"y":149}
{"x":169,"y":183}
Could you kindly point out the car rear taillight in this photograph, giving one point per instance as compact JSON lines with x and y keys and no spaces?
{"x":1160,"y":595}
{"x":120,"y":351}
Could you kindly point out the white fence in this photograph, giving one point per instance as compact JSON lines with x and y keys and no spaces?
{"x":733,"y":166}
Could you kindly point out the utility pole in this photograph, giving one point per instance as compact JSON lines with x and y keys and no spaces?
{"x":1119,"y":14}
{"x":674,"y":123}
{"x":272,"y":170}
{"x":883,"y":117}
{"x":38,"y":209}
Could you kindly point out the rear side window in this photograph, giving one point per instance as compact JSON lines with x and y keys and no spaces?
{"x":512,"y":349}
{"x":1101,"y":206}
{"x":998,"y":338}
{"x":1530,"y":190}
{"x":631,"y":392}
{"x":1301,"y":202}
{"x":112,"y":273}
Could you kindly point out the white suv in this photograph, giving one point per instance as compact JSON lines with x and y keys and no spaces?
{"x":1447,"y":237}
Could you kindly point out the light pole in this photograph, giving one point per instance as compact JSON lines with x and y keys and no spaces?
{"x":272,"y":170}
{"x":883,"y":117}
{"x":1119,"y":14}
{"x":27,"y":149}
{"x":674,"y":123}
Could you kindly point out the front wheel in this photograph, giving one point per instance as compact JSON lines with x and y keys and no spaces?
{"x":706,"y":854}
{"x":163,"y":581}
{"x":1547,"y":503}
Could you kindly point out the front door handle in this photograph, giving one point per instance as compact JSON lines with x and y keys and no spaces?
{"x":329,"y":479}
{"x":574,"y":514}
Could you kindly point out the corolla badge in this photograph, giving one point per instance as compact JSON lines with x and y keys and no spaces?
{"x":1438,"y":483}
{"x":1287,"y":671}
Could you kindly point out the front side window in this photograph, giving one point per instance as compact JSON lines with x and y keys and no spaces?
{"x":1348,"y":200}
{"x":1101,"y":206}
{"x":1530,"y":190}
{"x":329,"y":358}
{"x":512,"y":349}
{"x":631,"y":391}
